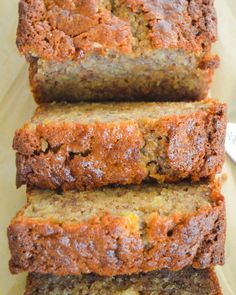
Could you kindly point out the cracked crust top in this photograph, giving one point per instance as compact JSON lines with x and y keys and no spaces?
{"x":59,"y":29}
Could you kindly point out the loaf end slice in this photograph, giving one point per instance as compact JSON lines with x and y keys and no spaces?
{"x":119,"y":230}
{"x":84,"y":146}
{"x":186,"y":281}
{"x":118,"y":50}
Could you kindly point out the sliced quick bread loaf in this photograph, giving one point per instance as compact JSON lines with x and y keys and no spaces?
{"x":83,"y":146}
{"x":184,"y":282}
{"x":97,"y":50}
{"x":119,"y":230}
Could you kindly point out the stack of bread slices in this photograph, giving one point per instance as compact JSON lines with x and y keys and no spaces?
{"x":120,"y":157}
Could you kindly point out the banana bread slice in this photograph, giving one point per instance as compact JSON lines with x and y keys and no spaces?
{"x":119,"y":230}
{"x":100,"y":50}
{"x":184,"y":282}
{"x":83,"y":146}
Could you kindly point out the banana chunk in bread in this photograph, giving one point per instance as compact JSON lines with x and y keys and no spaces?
{"x":119,"y":230}
{"x":98,"y":50}
{"x":184,"y":282}
{"x":84,"y":146}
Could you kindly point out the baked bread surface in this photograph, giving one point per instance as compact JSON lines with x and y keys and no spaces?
{"x":99,"y":50}
{"x":83,"y":146}
{"x":119,"y":230}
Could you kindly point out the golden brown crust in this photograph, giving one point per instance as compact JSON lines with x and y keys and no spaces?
{"x":215,"y":285}
{"x":57,"y":30}
{"x":85,"y":156}
{"x":163,"y":282}
{"x":111,"y":245}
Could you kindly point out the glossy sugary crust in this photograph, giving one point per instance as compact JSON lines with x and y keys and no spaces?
{"x":110,"y":245}
{"x":198,"y":282}
{"x":85,"y":156}
{"x":65,"y":29}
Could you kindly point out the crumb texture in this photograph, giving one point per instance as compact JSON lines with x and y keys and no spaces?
{"x":137,"y":201}
{"x":114,"y":112}
{"x":65,"y":29}
{"x":184,"y":282}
